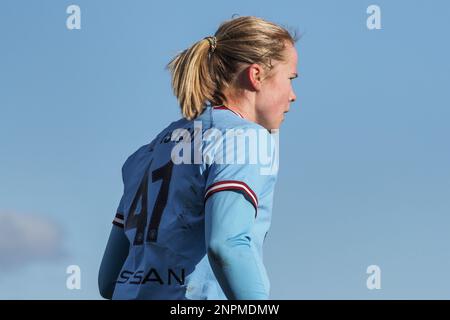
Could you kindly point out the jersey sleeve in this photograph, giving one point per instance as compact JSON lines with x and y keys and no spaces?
{"x":249,"y":171}
{"x":119,"y":218}
{"x":238,"y":269}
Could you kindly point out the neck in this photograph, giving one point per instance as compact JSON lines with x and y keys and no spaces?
{"x":245,"y":108}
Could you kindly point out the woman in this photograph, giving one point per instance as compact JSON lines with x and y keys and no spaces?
{"x":191,"y":222}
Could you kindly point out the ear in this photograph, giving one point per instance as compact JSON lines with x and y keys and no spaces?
{"x":255,"y":74}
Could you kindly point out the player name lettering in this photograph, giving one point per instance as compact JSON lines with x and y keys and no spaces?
{"x":169,"y":277}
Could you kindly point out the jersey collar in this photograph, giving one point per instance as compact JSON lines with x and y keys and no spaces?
{"x":223,"y":107}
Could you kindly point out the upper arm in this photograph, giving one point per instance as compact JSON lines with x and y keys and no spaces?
{"x":229,"y":219}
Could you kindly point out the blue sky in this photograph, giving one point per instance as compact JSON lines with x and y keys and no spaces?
{"x":364,"y":160}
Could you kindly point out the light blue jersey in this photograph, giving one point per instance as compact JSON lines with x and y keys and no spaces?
{"x":188,"y":190}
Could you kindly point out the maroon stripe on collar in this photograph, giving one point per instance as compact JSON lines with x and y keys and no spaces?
{"x":222,"y":107}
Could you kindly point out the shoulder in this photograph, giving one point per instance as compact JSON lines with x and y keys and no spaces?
{"x":225,"y":122}
{"x":149,"y":147}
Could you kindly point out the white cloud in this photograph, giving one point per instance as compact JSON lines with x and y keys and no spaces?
{"x":26,"y":238}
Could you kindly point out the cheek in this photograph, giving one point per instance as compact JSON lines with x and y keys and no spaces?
{"x":274,"y":99}
{"x":274,"y":94}
{"x":281,"y":92}
{"x":280,"y":98}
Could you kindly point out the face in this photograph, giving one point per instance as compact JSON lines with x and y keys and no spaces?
{"x":275,"y":93}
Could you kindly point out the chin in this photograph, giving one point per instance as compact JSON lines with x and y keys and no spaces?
{"x":276,"y":126}
{"x":272,"y":125}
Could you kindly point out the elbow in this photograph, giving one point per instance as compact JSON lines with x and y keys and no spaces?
{"x":105,"y":293}
{"x":218,"y":247}
{"x":213,"y":248}
{"x":104,"y":289}
{"x":221,"y":250}
{"x":223,"y":246}
{"x":216,"y":254}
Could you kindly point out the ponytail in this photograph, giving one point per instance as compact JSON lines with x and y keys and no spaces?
{"x":191,"y":79}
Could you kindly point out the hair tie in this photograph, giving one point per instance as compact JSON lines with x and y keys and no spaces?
{"x":212,"y":43}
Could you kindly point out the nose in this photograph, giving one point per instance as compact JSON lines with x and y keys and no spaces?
{"x":293,"y":97}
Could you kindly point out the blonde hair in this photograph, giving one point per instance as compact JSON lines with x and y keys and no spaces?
{"x":199,"y":76}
